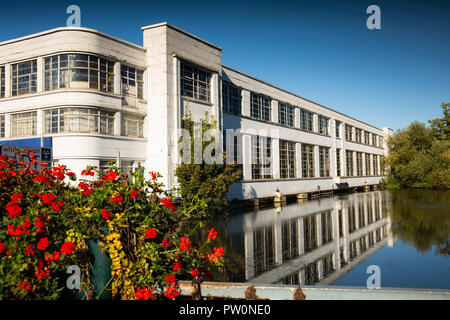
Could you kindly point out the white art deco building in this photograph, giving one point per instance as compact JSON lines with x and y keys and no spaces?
{"x":91,"y":97}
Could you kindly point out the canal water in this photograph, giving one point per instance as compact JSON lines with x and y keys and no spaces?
{"x":339,"y":241}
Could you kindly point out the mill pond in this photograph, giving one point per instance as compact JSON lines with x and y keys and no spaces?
{"x":337,"y":241}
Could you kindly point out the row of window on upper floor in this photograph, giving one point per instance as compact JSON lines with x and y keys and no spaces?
{"x":72,"y":120}
{"x":74,"y":71}
{"x":260,"y":108}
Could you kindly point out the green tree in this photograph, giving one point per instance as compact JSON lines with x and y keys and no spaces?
{"x":208,"y":179}
{"x":419,"y":156}
{"x":440,"y":126}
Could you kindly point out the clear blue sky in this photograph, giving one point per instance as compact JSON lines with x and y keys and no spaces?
{"x":318,"y":49}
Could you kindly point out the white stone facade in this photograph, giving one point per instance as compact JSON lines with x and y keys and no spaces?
{"x":89,"y":112}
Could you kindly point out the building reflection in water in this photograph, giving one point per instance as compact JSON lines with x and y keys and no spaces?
{"x":314,"y":242}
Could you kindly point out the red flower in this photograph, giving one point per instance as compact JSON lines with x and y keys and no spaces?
{"x":40,"y":273}
{"x":40,"y":178}
{"x":212,"y":234}
{"x":151,"y":233}
{"x":112,"y":175}
{"x":55,"y":207}
{"x":134,"y":193}
{"x":43,"y":244}
{"x":55,"y":256}
{"x":106,"y":214}
{"x":40,"y":224}
{"x":13,"y":208}
{"x":88,"y":191}
{"x":195,"y":272}
{"x":47,"y":198}
{"x":25,"y":285}
{"x":167,"y":202}
{"x":17,"y":231}
{"x":166,"y":243}
{"x":176,"y":266}
{"x":171,"y":278}
{"x":2,"y":247}
{"x":171,"y":293}
{"x":144,"y":293}
{"x":67,"y":247}
{"x":154,"y":175}
{"x":116,"y":200}
{"x":184,"y":244}
{"x":3,"y":158}
{"x":219,"y":251}
{"x":29,"y":250}
{"x":87,"y":172}
{"x":17,"y":196}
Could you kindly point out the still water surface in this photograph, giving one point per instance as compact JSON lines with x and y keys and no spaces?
{"x":332,"y":241}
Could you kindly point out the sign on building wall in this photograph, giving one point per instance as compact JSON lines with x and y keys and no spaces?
{"x":42,"y":155}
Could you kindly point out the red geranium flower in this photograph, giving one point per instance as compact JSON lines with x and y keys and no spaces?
{"x":17,"y":196}
{"x":26,"y":285}
{"x":195,"y":272}
{"x":151,"y":233}
{"x":167,"y":202}
{"x":212,"y":234}
{"x":2,"y":247}
{"x":184,"y":243}
{"x":13,"y":208}
{"x":134,"y":193}
{"x":29,"y":250}
{"x":67,"y":247}
{"x":43,"y":243}
{"x":166,"y":243}
{"x":144,"y":293}
{"x":171,"y":278}
{"x":171,"y":293}
{"x":176,"y":266}
{"x":116,"y":200}
{"x":106,"y":214}
{"x":47,"y":198}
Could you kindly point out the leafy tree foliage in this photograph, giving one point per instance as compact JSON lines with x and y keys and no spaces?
{"x":205,"y":179}
{"x":419,"y":156}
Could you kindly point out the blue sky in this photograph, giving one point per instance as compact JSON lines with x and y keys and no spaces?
{"x":319,"y":49}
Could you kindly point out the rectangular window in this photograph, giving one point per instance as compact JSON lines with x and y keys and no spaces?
{"x":310,"y":233}
{"x":374,"y":139}
{"x":338,"y":128}
{"x":132,"y":81}
{"x":381,"y":141}
{"x":24,"y":124}
{"x":338,"y":162}
{"x":359,"y":164}
{"x":375,"y":165}
{"x":351,"y":217}
{"x":307,"y":160}
{"x":323,"y":125}
{"x":195,"y":82}
{"x":358,"y":135}
{"x":289,"y":239}
{"x":264,"y":249}
{"x":306,"y":120}
{"x":261,"y":166}
{"x":286,"y":114}
{"x":132,"y":125}
{"x":348,"y":133}
{"x":367,"y":156}
{"x":233,"y":152}
{"x":327,"y":227}
{"x":366,"y":137}
{"x":78,"y":71}
{"x":88,"y":120}
{"x":260,"y":107}
{"x":287,"y":159}
{"x":324,"y":161}
{"x":2,"y":126}
{"x":231,"y":98}
{"x":24,"y":78}
{"x":349,"y":162}
{"x":2,"y":82}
